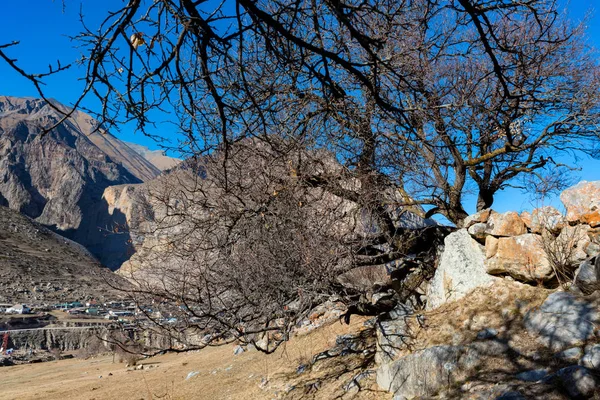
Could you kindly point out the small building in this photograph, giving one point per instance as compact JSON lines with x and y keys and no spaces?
{"x":18,"y":309}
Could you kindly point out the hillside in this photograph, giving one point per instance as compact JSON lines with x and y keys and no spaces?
{"x":37,"y":265}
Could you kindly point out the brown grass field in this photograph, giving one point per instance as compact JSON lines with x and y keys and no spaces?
{"x":221,"y":375}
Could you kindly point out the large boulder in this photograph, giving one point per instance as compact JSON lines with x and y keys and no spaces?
{"x":460,"y":270}
{"x":587,"y":277}
{"x":546,"y":219}
{"x":479,"y":217}
{"x":522,"y":257}
{"x":425,"y":372}
{"x":573,"y":242}
{"x":583,"y":203}
{"x":506,"y":224}
{"x":564,"y":320}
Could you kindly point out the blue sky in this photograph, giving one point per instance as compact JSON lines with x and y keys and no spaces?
{"x":43,"y":27}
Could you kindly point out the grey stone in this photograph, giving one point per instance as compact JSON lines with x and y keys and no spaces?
{"x":392,"y":334}
{"x":572,"y":355}
{"x":564,"y":320}
{"x":587,"y":277}
{"x":487,"y":333}
{"x":592,"y":249}
{"x":238,"y":350}
{"x":301,"y":369}
{"x":460,"y":270}
{"x":535,"y":375}
{"x":591,"y":357}
{"x":577,"y":381}
{"x":424,"y":372}
{"x":478,"y":230}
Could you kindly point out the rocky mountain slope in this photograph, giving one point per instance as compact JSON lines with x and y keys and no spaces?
{"x":37,"y":265}
{"x":58,"y":178}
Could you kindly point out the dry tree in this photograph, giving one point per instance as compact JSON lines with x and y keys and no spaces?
{"x":290,"y":113}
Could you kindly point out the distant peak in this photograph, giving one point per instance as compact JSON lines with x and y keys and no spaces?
{"x":157,"y":157}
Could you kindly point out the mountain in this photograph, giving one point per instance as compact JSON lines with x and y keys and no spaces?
{"x":38,"y":265}
{"x":59,"y":178}
{"x":156,"y":157}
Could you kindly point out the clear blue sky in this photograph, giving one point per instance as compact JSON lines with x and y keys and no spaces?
{"x":43,"y":27}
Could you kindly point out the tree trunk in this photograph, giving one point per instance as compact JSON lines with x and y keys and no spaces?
{"x":485,"y":199}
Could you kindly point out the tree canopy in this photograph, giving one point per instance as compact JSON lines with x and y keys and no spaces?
{"x":413,"y":102}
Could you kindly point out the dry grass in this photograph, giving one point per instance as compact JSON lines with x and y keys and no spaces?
{"x":501,"y":306}
{"x":221,"y":375}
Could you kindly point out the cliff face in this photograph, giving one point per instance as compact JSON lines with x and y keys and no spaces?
{"x":59,"y":178}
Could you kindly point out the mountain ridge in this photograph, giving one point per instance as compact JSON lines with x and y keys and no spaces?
{"x":59,"y":178}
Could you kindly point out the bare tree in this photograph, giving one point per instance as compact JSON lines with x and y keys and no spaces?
{"x":437,"y":97}
{"x":311,"y":127}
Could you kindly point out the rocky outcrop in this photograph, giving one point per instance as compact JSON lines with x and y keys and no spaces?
{"x":543,"y":248}
{"x":544,"y":245}
{"x":64,"y":339}
{"x":460,"y":270}
{"x":583,"y":203}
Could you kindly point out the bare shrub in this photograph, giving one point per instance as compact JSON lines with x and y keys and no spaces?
{"x":55,"y":352}
{"x":129,"y":356}
{"x":562,"y":246}
{"x":93,"y":347}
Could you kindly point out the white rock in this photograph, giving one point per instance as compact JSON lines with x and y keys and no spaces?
{"x":460,"y":270}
